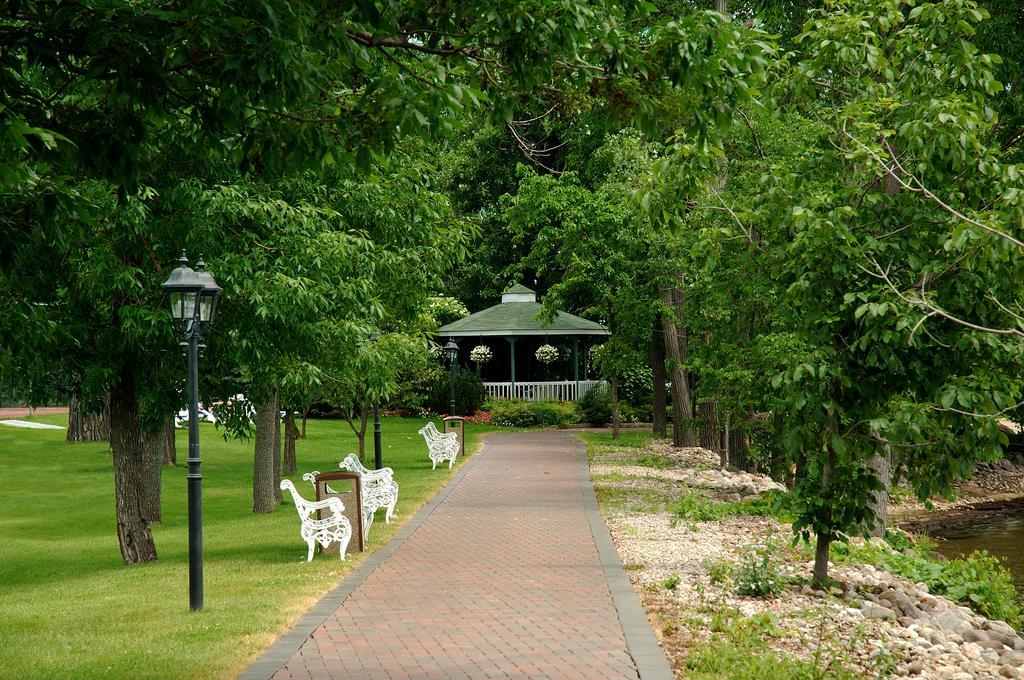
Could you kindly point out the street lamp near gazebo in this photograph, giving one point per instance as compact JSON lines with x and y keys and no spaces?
{"x":451,"y":352}
{"x":193,"y":295}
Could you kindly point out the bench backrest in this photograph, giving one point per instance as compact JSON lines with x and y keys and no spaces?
{"x":353,"y":464}
{"x":305,"y":508}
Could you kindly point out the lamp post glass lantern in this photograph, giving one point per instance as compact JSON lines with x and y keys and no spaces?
{"x":451,"y":351}
{"x":193,"y":295}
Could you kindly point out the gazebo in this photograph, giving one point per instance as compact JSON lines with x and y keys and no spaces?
{"x":520,"y":321}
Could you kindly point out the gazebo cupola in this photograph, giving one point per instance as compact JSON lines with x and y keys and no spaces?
{"x":519,"y":319}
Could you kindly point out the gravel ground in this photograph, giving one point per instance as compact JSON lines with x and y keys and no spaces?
{"x":679,"y":569}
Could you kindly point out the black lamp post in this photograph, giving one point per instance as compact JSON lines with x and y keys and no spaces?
{"x":451,"y":351}
{"x":378,"y":457}
{"x":194,"y":295}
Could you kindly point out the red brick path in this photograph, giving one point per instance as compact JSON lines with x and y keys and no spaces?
{"x":502,"y":580}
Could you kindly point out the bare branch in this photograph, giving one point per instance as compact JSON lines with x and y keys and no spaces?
{"x":915,"y":185}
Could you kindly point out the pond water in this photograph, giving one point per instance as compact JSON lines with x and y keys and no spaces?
{"x":1002,"y":536}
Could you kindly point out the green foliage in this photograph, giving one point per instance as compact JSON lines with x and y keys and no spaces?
{"x":694,"y":505}
{"x":720,"y":571}
{"x":671,"y":583}
{"x":635,"y":384}
{"x":979,"y":580}
{"x":739,"y":651}
{"x":516,"y":413}
{"x":470,"y":393}
{"x":851,"y":244}
{"x":758,"y":573}
{"x":596,"y":405}
{"x":656,"y":462}
{"x":441,"y":310}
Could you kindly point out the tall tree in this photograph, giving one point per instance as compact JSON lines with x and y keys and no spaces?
{"x":893,"y":328}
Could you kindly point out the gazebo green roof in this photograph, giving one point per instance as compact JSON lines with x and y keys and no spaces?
{"x":519,"y":314}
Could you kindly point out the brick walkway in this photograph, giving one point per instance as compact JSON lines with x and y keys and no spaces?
{"x":509,"y":574}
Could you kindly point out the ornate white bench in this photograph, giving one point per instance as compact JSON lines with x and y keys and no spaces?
{"x":331,"y":529}
{"x":378,"y":489}
{"x":440,"y":447}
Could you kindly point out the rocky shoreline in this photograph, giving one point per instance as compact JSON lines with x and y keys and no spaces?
{"x":876,"y":623}
{"x":995,"y":489}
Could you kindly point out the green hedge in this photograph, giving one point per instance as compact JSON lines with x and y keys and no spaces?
{"x":515,"y":413}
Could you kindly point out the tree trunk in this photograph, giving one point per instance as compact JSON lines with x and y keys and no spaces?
{"x":278,"y":494}
{"x":616,"y":424}
{"x":723,"y":452}
{"x":155,"y":443}
{"x":263,"y":497}
{"x":305,"y":415}
{"x":88,"y":426}
{"x":170,"y":446}
{"x":722,"y":6}
{"x":291,"y":433}
{"x":675,"y":349}
{"x":660,"y":399}
{"x":709,"y":439}
{"x":881,"y":466}
{"x":821,"y":550}
{"x":130,"y":468}
{"x":364,"y":417}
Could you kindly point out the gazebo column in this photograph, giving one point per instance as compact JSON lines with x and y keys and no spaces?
{"x":512,"y":353}
{"x":586,"y":361}
{"x":576,"y":364}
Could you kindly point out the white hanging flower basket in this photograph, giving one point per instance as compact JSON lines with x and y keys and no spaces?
{"x":481,"y":354}
{"x":547,"y":354}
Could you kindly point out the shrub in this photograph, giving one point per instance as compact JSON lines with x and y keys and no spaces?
{"x":758,"y":573}
{"x":470,"y":393}
{"x":636,"y":384}
{"x":596,"y":405}
{"x":515,"y":413}
{"x":557,"y":413}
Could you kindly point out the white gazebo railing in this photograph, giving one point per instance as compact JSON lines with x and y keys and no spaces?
{"x":556,"y":390}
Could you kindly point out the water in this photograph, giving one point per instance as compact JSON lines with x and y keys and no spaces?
{"x":1002,"y":536}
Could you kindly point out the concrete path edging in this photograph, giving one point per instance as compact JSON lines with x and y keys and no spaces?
{"x":650,"y":660}
{"x":275,"y":658}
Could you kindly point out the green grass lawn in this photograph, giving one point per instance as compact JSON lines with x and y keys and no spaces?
{"x":70,"y":608}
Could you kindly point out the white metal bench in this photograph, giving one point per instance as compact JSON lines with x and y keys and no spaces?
{"x":368,"y":509}
{"x":380,"y":490}
{"x":331,"y":529}
{"x":440,"y":446}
